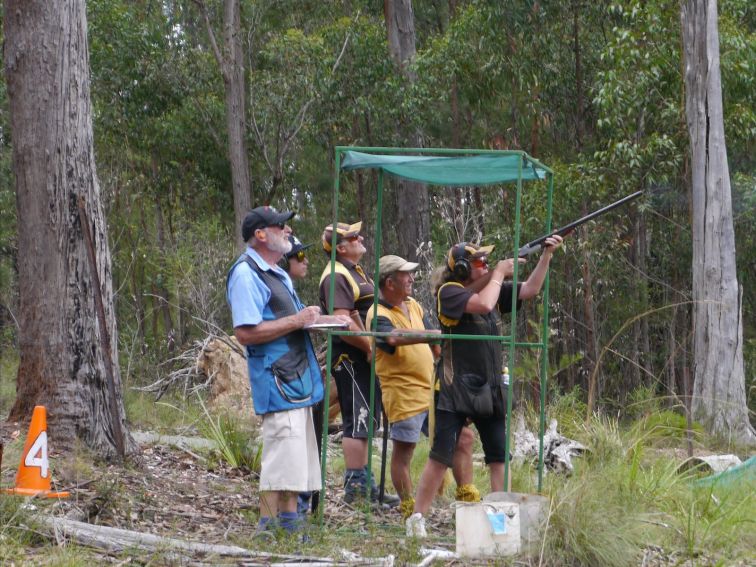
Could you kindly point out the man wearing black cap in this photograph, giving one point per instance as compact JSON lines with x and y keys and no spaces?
{"x":353,"y":296}
{"x":470,"y":299}
{"x":269,"y":320}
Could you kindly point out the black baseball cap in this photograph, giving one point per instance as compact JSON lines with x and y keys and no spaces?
{"x":262,"y":217}
{"x":296,"y":246}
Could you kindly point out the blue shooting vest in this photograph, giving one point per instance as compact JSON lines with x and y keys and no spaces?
{"x":284,"y":373}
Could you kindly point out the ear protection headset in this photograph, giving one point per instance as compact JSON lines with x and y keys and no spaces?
{"x":461,"y":269}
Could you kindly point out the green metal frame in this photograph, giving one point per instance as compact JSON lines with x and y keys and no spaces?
{"x":510,"y":340}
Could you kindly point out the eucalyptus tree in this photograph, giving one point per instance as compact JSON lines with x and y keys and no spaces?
{"x":66,"y":312}
{"x":282,"y":103}
{"x":719,"y":399}
{"x":411,"y":237}
{"x":159,"y":140}
{"x":640,"y":131}
{"x":230,"y":57}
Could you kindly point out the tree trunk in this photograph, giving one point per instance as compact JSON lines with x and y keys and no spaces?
{"x":719,"y":399}
{"x":579,"y":98}
{"x":635,"y":357}
{"x":63,"y":364}
{"x":168,"y":337}
{"x":231,"y":64}
{"x":589,"y":316}
{"x":411,"y":198}
{"x":671,"y":393}
{"x":236,"y":112}
{"x":645,"y":338}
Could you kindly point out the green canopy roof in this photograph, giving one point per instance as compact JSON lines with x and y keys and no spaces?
{"x":481,"y":169}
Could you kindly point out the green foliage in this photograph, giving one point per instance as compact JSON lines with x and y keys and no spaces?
{"x":238,"y":448}
{"x":170,"y":415}
{"x":8,"y":371}
{"x":17,"y":529}
{"x":706,"y":519}
{"x":643,"y":401}
{"x":667,"y":427}
{"x":625,"y":496}
{"x":569,"y":409}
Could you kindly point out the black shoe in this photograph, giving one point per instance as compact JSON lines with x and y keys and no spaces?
{"x":354,"y":487}
{"x":390,"y":500}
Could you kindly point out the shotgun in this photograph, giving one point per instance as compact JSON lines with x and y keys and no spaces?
{"x":535,"y":245}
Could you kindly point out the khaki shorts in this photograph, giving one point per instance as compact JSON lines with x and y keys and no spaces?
{"x":290,"y":458}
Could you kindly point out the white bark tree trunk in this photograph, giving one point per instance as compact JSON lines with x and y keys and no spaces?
{"x":63,"y":365}
{"x":719,"y":399}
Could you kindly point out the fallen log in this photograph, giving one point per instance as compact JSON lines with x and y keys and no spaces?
{"x":119,"y":540}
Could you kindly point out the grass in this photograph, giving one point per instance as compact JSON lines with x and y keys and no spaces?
{"x":237,"y":446}
{"x":8,"y":368}
{"x":170,"y":415}
{"x":14,"y":535}
{"x":625,"y":495}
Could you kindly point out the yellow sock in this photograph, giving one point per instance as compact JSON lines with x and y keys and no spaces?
{"x":407,"y":507}
{"x":468,"y":493}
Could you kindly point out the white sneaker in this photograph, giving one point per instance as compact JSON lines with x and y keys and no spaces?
{"x":416,"y":526}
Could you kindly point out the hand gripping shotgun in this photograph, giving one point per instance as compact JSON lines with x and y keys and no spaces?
{"x":535,"y":245}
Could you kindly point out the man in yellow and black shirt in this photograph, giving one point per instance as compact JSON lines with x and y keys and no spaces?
{"x":404,"y":364}
{"x":353,"y":296}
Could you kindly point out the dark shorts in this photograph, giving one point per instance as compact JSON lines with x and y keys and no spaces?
{"x":352,"y":376}
{"x":492,"y":433}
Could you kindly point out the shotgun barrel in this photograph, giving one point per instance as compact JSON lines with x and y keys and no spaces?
{"x":536,"y":245}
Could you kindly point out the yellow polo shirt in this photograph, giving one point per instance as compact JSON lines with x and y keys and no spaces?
{"x":405,"y":372}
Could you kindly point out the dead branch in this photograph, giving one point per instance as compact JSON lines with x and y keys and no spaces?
{"x":118,"y":540}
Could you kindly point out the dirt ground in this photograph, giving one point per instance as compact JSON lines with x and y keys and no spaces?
{"x":181,"y":493}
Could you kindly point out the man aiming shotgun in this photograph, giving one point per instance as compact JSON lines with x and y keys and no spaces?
{"x":470,"y":300}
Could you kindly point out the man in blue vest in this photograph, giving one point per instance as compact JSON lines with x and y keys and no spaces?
{"x":270,"y":321}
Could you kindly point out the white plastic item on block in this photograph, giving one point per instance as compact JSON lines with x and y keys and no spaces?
{"x":533,"y":512}
{"x":488,"y":529}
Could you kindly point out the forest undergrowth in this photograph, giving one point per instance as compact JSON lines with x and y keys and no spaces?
{"x":625,"y":502}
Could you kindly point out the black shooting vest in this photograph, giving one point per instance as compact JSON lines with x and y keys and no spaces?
{"x":469,"y":371}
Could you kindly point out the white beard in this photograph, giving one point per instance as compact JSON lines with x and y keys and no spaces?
{"x":278,"y":243}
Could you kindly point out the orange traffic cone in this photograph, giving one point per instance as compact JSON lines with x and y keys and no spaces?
{"x":33,"y":478}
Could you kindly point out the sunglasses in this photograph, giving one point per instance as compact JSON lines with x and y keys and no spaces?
{"x":280,"y":225}
{"x":479,"y":262}
{"x":300,"y":256}
{"x":354,"y":238}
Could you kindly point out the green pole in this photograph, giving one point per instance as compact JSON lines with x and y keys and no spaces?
{"x":513,"y":330}
{"x":545,"y":339}
{"x":329,"y":348}
{"x":510,"y":340}
{"x":374,"y":326}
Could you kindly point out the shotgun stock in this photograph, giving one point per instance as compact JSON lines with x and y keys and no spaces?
{"x":535,"y":245}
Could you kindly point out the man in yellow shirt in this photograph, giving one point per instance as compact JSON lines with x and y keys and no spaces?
{"x":405,"y":363}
